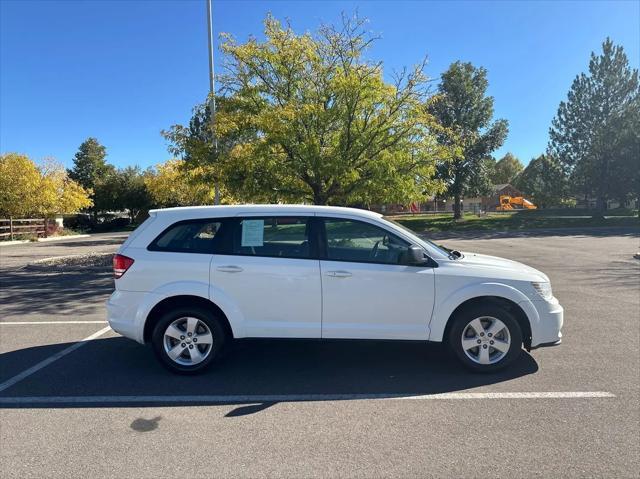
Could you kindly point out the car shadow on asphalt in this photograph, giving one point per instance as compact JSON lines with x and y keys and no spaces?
{"x":72,"y":293}
{"x":118,"y":367}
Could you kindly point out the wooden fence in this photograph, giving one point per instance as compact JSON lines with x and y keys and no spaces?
{"x":12,"y":228}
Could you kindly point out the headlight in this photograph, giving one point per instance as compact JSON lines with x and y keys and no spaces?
{"x":543,"y":289}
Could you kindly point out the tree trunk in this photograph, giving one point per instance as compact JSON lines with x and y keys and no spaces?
{"x":457,"y":212}
{"x":601,"y":205}
{"x":319,"y":197}
{"x":216,"y":193}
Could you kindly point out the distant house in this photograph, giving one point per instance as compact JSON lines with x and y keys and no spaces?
{"x":492,"y":202}
{"x":477,"y":204}
{"x":470,"y":204}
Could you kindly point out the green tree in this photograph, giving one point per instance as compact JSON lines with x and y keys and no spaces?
{"x":465,"y":112}
{"x":595,"y":134}
{"x":197,"y":145}
{"x":131,"y":191}
{"x":544,"y":182}
{"x":506,"y":169}
{"x":91,"y":171}
{"x":311,"y":120}
{"x":124,"y":189}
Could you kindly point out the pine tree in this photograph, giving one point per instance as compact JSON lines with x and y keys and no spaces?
{"x":91,"y":170}
{"x":592,"y":133}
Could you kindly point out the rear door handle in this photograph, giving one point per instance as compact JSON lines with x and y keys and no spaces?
{"x":229,"y":269}
{"x":338,"y":274}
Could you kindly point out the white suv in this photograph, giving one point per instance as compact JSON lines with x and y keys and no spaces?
{"x":188,"y":280}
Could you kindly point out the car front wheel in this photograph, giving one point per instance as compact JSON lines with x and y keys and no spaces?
{"x":188,"y":340}
{"x":486,"y":338}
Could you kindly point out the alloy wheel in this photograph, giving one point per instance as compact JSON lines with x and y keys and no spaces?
{"x":486,"y":340}
{"x":188,"y":341}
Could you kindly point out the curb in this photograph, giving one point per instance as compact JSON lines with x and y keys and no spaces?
{"x":43,"y":240}
{"x":57,"y":263}
{"x":60,"y":238}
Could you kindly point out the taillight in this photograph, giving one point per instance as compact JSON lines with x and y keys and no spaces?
{"x":121,"y":264}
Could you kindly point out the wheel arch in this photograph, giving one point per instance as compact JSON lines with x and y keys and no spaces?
{"x":500,"y":301}
{"x":183,"y":300}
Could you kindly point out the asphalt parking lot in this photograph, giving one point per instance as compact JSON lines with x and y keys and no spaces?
{"x":105,"y":408}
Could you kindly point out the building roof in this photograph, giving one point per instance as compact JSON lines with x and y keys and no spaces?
{"x":498,"y":188}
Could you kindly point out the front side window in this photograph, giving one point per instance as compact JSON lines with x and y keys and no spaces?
{"x":192,"y":236}
{"x":277,"y":236}
{"x":349,"y":240}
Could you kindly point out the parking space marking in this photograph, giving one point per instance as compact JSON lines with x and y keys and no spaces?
{"x":14,"y":323}
{"x":44,"y":363}
{"x":221,"y":399}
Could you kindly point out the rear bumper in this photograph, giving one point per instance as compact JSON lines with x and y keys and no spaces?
{"x":127,"y":312}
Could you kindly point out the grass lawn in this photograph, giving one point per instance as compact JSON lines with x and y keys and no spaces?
{"x":514,"y":221}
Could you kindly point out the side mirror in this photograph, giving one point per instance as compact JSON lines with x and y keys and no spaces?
{"x":415,"y":255}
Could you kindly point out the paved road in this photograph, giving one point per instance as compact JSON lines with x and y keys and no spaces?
{"x":19,"y":255}
{"x":594,"y":276}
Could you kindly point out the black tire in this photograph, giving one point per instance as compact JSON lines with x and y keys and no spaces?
{"x":461,"y":323}
{"x":213,"y":353}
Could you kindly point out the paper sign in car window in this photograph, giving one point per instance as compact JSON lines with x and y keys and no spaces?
{"x":252,"y":233}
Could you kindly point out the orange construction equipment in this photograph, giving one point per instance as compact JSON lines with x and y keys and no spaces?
{"x":514,"y":203}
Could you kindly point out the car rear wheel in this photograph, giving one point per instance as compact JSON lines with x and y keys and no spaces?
{"x":486,"y":338}
{"x":188,"y":340}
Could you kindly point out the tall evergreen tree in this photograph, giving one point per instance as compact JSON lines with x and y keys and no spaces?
{"x":91,"y":170}
{"x":593,"y":134}
{"x":89,"y":163}
{"x":465,"y":112}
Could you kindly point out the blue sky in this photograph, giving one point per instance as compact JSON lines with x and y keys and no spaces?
{"x":124,"y":70}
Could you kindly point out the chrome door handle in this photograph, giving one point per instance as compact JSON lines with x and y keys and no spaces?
{"x":229,"y":269}
{"x":338,"y":274}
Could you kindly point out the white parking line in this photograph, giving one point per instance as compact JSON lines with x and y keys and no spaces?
{"x":221,"y":399}
{"x":13,"y":323}
{"x":44,"y":363}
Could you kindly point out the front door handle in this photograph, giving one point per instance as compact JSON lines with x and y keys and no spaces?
{"x":230,"y":269}
{"x":338,"y":274}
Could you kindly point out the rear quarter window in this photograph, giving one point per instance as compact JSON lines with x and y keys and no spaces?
{"x":206,"y":236}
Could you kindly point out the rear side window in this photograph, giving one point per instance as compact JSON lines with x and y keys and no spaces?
{"x":277,"y":236}
{"x":193,"y":236}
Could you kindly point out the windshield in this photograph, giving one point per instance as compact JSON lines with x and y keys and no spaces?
{"x":440,"y":248}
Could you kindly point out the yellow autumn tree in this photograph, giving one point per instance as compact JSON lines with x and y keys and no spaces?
{"x":29,"y":190}
{"x":19,"y":182}
{"x":59,"y":193}
{"x":171,"y":184}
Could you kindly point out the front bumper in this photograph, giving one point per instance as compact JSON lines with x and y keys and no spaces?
{"x":547,"y":345}
{"x":547,"y":331}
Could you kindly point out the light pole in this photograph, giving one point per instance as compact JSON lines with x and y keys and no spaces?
{"x":212,"y":93}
